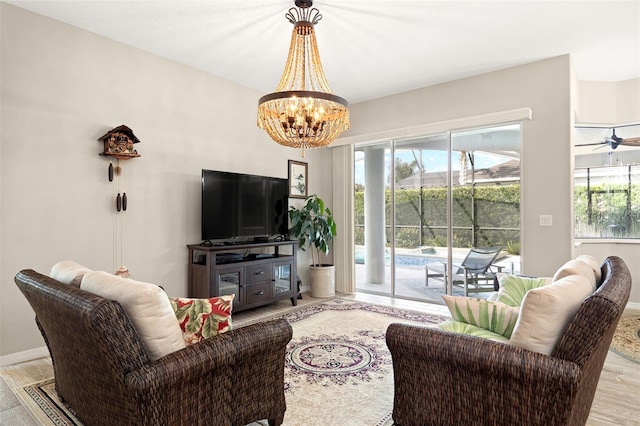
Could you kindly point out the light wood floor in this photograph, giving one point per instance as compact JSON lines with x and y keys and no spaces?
{"x":617,"y":399}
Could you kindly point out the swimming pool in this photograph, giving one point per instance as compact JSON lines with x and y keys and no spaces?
{"x":406,"y":258}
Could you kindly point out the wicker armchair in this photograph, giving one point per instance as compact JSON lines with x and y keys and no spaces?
{"x":442,"y":378}
{"x":105,"y":376}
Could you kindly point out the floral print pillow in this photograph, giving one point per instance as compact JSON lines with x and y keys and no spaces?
{"x":202,"y":318}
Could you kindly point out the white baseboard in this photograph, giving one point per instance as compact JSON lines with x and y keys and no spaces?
{"x":633,"y":305}
{"x":24,"y":356}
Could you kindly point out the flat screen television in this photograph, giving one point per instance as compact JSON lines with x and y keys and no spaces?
{"x":242,"y":207}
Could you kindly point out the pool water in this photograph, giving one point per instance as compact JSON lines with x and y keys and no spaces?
{"x":414,"y":258}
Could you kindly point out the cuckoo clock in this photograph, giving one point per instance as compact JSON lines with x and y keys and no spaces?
{"x":119,"y":142}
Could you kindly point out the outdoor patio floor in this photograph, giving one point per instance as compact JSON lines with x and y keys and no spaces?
{"x":411,"y":282}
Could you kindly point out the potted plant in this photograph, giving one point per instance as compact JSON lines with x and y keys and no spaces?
{"x":313,"y":226}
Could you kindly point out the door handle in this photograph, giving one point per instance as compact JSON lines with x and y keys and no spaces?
{"x":259,"y":293}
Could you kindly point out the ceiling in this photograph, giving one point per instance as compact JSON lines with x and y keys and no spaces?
{"x":370,"y":48}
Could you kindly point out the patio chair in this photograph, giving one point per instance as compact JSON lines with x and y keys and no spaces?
{"x":476,"y":272}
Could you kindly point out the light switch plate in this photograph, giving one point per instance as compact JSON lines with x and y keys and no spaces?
{"x":546,"y":220}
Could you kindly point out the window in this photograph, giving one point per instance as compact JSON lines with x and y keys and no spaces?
{"x":607,"y":182}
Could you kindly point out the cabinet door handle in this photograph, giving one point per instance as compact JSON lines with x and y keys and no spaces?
{"x":258,"y":273}
{"x":259,"y":293}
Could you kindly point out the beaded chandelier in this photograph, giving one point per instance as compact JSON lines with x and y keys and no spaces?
{"x":303,"y":112}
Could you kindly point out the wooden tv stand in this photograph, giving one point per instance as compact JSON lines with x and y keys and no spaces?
{"x":257,"y":273}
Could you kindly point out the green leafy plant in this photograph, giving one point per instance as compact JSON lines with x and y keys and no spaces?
{"x":513,"y":247}
{"x":313,"y":226}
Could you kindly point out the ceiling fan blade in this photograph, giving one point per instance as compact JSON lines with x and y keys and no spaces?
{"x":631,"y":141}
{"x":614,"y":141}
{"x":593,"y":144}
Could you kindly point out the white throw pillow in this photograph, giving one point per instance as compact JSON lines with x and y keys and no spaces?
{"x":546,"y":312}
{"x":576,"y":267}
{"x":68,"y":272}
{"x":148,"y":307}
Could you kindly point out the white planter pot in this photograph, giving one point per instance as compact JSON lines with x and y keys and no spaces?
{"x":323,"y":281}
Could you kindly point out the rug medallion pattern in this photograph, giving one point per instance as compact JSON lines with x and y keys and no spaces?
{"x":337,"y":360}
{"x":342,"y":359}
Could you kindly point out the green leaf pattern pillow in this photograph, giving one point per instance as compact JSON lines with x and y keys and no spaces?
{"x":471,"y":330}
{"x":514,"y":287}
{"x":489,"y":315}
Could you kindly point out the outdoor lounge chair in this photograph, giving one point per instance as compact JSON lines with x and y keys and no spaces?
{"x":476,"y":272}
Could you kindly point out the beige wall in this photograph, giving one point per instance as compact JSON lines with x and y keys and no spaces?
{"x":609,"y":103}
{"x":62,"y":88}
{"x":628,"y":250}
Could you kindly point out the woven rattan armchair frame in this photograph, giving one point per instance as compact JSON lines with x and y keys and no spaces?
{"x":103,"y":372}
{"x":443,"y":378}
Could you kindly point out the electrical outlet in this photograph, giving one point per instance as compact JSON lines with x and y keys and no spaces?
{"x":546,"y":220}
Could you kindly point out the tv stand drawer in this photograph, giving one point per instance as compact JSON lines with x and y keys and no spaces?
{"x":258,"y":273}
{"x":258,"y":293}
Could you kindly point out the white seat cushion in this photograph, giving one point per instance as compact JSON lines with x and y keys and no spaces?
{"x":148,"y":307}
{"x":68,"y":272}
{"x":546,"y":312}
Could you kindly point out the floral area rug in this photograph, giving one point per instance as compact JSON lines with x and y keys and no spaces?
{"x":338,"y":369}
{"x":626,"y":340}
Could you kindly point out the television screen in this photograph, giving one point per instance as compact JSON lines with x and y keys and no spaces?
{"x":241,"y":206}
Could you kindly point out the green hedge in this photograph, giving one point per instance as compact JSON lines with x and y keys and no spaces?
{"x":496,"y":206}
{"x":610,"y":214}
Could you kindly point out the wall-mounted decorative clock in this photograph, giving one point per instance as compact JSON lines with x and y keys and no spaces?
{"x":119,"y":142}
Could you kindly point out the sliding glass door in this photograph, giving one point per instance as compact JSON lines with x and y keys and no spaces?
{"x":421,"y":226}
{"x":422,"y":204}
